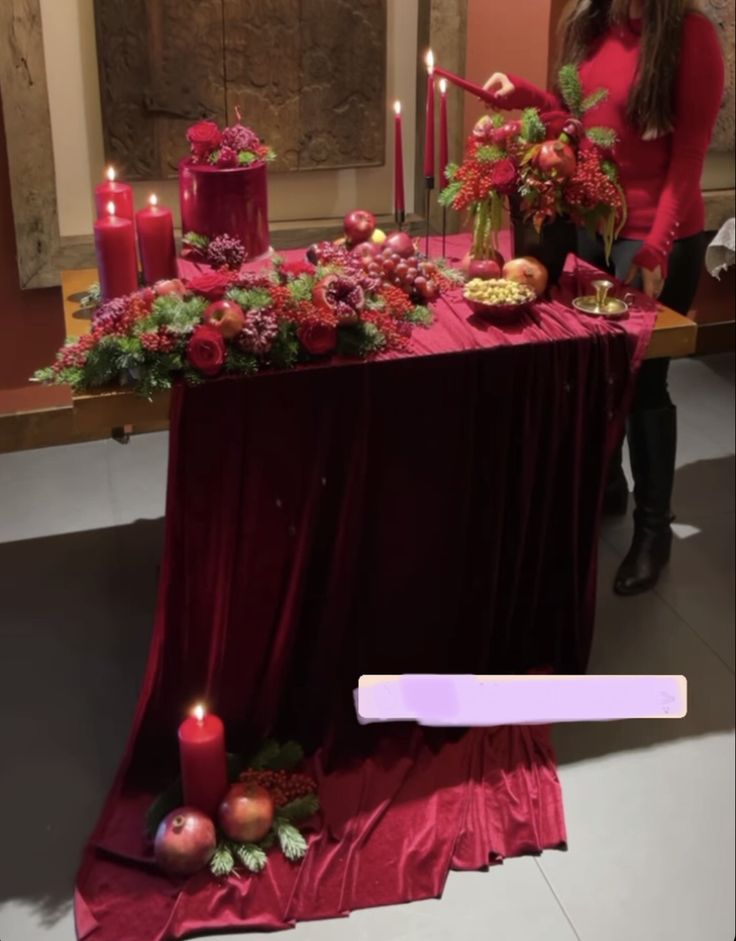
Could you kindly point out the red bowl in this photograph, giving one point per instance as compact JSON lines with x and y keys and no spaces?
{"x":500,"y":312}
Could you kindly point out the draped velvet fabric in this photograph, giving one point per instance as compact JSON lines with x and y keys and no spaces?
{"x":431,"y":511}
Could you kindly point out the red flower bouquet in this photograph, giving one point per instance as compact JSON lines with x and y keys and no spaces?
{"x":235,"y":146}
{"x":543,"y":167}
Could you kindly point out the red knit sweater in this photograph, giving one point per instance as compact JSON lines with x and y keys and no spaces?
{"x":661,"y":177}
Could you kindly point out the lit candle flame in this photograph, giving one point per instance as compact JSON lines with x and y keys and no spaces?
{"x":198,"y":713}
{"x":430,"y":61}
{"x":397,"y":107}
{"x":153,"y":200}
{"x":111,"y":174}
{"x":443,"y":86}
{"x":111,"y":209}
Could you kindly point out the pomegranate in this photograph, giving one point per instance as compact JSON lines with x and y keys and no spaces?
{"x":483,"y":268}
{"x":558,"y":156}
{"x":185,"y":842}
{"x":527,"y":271}
{"x":246,"y":813}
{"x":359,"y":226}
{"x":343,"y":295}
{"x":400,"y":243}
{"x":226,"y":315}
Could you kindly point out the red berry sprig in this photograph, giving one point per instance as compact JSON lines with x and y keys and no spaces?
{"x":284,"y":786}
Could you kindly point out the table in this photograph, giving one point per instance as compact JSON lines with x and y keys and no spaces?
{"x":435,"y":511}
{"x":98,"y":416}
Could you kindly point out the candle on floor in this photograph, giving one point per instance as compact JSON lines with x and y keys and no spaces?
{"x":444,"y":137}
{"x":203,"y":761}
{"x":117,"y":264}
{"x":399,"y":203}
{"x":114,"y":191}
{"x":429,"y":160}
{"x":156,"y":242}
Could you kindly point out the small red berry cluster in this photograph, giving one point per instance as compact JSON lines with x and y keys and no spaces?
{"x":284,"y":786}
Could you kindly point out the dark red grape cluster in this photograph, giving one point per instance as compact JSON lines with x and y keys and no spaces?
{"x":283,"y":786}
{"x":406,"y":271}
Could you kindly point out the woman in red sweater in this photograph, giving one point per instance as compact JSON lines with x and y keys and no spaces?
{"x":662,"y":65}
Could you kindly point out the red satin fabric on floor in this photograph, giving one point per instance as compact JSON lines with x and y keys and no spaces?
{"x":434,"y":511}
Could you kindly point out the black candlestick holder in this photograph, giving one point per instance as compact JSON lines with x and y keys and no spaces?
{"x":428,"y":187}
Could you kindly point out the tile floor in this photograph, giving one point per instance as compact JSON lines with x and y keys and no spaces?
{"x":650,"y":805}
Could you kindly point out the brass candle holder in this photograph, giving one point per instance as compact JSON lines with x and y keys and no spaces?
{"x":601,"y":304}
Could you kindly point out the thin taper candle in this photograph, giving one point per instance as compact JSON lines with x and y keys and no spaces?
{"x":429,"y":161}
{"x":399,"y":202}
{"x":444,"y":137}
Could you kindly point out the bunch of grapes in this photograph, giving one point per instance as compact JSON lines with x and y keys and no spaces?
{"x":413,"y":275}
{"x":284,"y":786}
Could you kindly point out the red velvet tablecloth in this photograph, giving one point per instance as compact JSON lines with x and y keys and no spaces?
{"x":434,"y":511}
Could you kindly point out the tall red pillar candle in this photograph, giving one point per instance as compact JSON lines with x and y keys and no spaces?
{"x":444,"y":136}
{"x":117,"y":264}
{"x":429,"y":161}
{"x":203,"y":761}
{"x":156,"y":242}
{"x":113,"y":191}
{"x":399,"y":200}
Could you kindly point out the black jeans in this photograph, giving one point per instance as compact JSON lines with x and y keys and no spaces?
{"x":685,"y":267}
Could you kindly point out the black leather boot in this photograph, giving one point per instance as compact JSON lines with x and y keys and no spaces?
{"x":652,"y":445}
{"x":616,"y":494}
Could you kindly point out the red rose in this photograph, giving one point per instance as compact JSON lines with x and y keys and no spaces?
{"x":211,"y":284}
{"x":317,"y":338}
{"x":503,"y":176}
{"x":206,"y":349}
{"x":204,"y":138}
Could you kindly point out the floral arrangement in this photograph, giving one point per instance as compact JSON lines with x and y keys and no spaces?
{"x":269,"y":800}
{"x":231,"y":321}
{"x":234,"y":146}
{"x":541,"y":167}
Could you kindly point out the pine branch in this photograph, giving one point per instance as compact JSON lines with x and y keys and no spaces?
{"x":497,"y":119}
{"x":449,"y":194}
{"x":293,"y":845}
{"x":532,"y":126}
{"x":264,"y":756}
{"x":489,"y":153}
{"x":251,"y":856}
{"x":571,"y":89}
{"x":300,"y":288}
{"x":289,"y":756}
{"x":451,"y":171}
{"x":250,"y":298}
{"x":223,"y":862}
{"x":284,"y":352}
{"x":421,"y":317}
{"x":195,"y":240}
{"x":301,"y":807}
{"x":602,"y":137}
{"x":360,"y":340}
{"x":594,"y":99}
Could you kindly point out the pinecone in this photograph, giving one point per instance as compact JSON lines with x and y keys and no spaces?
{"x":226,"y":252}
{"x":240,"y":138}
{"x":259,"y":332}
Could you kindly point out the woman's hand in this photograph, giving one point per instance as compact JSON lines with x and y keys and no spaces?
{"x":500,"y":84}
{"x":652,"y":280}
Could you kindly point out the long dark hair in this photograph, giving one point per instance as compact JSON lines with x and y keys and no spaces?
{"x":650,"y":107}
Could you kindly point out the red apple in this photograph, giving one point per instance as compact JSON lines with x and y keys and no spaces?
{"x":468,"y":258}
{"x":359,"y":226}
{"x":366,"y":250}
{"x":400,"y":243}
{"x":529,"y":271}
{"x":228,"y":316}
{"x":246,"y":813}
{"x":557,"y":156}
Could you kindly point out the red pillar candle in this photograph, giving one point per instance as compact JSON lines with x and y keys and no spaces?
{"x":117,"y":264}
{"x":399,"y":202}
{"x":203,"y":761}
{"x":113,"y":191}
{"x":156,"y":242}
{"x":429,"y":125}
{"x":444,"y":137}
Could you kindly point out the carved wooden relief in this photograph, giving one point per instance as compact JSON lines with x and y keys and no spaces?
{"x":308,"y":77}
{"x":723,"y":15}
